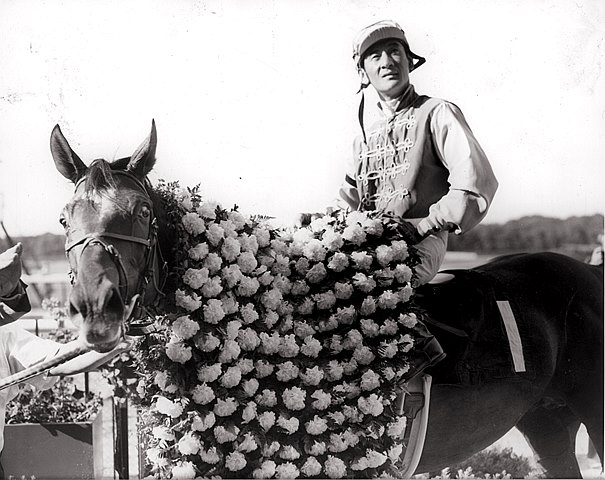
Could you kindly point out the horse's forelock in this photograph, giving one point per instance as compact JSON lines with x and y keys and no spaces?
{"x":99,"y":177}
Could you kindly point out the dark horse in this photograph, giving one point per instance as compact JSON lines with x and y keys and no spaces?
{"x":115,"y":240}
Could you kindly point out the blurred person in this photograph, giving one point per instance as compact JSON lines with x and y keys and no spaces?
{"x":14,"y":302}
{"x":20,"y":349}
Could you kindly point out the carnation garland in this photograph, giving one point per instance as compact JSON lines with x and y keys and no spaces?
{"x":282,"y":351}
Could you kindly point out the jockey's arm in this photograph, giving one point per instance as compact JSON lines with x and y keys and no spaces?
{"x":471,"y":178}
{"x":88,"y":361}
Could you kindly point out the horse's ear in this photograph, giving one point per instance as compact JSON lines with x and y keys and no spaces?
{"x":143,"y":159}
{"x":66,"y":160}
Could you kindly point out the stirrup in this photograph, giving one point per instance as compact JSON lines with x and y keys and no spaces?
{"x":415,"y":406}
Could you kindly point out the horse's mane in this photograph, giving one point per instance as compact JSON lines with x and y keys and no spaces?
{"x":99,"y":177}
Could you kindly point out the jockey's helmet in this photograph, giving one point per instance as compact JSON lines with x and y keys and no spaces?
{"x":377,"y":32}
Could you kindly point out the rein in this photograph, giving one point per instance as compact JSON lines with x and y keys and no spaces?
{"x":136,"y":313}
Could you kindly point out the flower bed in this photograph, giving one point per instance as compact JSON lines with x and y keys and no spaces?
{"x":282,"y":351}
{"x":61,"y":403}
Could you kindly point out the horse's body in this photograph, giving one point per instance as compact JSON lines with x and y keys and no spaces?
{"x":561,"y":300}
{"x":561,"y":304}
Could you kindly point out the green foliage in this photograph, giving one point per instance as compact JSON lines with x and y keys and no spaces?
{"x":490,"y":463}
{"x":61,"y":403}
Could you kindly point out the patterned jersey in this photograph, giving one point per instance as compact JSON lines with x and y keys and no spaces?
{"x":421,"y":160}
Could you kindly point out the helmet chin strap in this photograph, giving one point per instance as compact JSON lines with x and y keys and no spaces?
{"x":364,"y":83}
{"x":360,"y":112}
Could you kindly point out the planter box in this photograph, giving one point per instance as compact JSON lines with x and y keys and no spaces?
{"x":53,"y":450}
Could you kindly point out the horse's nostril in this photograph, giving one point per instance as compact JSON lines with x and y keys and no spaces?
{"x":75,"y":308}
{"x":113,"y":301}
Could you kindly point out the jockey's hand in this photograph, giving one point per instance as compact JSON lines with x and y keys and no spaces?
{"x":431,"y":224}
{"x":88,"y":361}
{"x":10,"y":270}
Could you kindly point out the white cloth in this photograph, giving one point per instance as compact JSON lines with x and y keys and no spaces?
{"x":20,"y":349}
{"x":431,"y":251}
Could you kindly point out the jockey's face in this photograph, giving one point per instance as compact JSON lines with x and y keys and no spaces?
{"x":387,"y":68}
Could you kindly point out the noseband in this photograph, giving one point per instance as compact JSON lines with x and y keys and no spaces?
{"x":136,"y":313}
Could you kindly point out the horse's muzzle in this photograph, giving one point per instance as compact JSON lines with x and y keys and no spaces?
{"x":100,"y":315}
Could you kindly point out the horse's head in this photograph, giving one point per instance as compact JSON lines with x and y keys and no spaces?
{"x":110,"y":224}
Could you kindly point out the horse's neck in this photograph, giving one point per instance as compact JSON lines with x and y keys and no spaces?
{"x":165,"y":234}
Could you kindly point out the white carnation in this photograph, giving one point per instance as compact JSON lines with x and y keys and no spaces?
{"x":209,"y":373}
{"x":214,"y":234}
{"x":201,"y":424}
{"x":226,"y":407}
{"x":247,"y":262}
{"x":266,"y":420}
{"x":188,"y":302}
{"x":198,"y":252}
{"x":311,"y":467}
{"x":202,"y":394}
{"x":334,"y":467}
{"x":266,"y":470}
{"x":178,"y":351}
{"x":212,"y":287}
{"x":230,"y":249}
{"x":316,"y":426}
{"x":210,"y":456}
{"x":290,"y":425}
{"x":235,"y":461}
{"x":195,"y":277}
{"x":167,"y":407}
{"x":232,"y":377}
{"x":370,"y":380}
{"x":322,"y":400}
{"x":213,"y":311}
{"x":371,"y":405}
{"x":184,"y":327}
{"x":213,"y":262}
{"x":183,"y":470}
{"x":188,"y":444}
{"x":207,"y":210}
{"x":230,"y":351}
{"x":193,"y":223}
{"x":294,"y":398}
{"x":287,"y":470}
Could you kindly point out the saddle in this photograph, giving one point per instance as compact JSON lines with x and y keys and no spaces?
{"x":480,"y":327}
{"x":483,"y":335}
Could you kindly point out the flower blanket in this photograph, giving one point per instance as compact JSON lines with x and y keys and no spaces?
{"x":282,"y":352}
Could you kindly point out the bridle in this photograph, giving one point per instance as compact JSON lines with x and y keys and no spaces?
{"x":150,"y":282}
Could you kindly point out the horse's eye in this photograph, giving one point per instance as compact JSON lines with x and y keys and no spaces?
{"x":145,"y":212}
{"x":63,"y":221}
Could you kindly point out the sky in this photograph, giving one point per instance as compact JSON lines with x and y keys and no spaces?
{"x":256,"y":101}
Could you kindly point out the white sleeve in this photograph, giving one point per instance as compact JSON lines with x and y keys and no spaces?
{"x":471,"y":178}
{"x":24,"y":349}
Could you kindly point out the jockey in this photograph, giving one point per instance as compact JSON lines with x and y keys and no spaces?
{"x":20,"y":349}
{"x":420,"y":161}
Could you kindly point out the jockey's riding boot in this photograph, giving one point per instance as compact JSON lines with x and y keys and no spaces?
{"x":426,"y":352}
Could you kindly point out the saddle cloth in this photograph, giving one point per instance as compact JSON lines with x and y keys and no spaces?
{"x":483,"y":332}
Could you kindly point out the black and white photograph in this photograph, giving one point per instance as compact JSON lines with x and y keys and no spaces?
{"x":301,"y":239}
